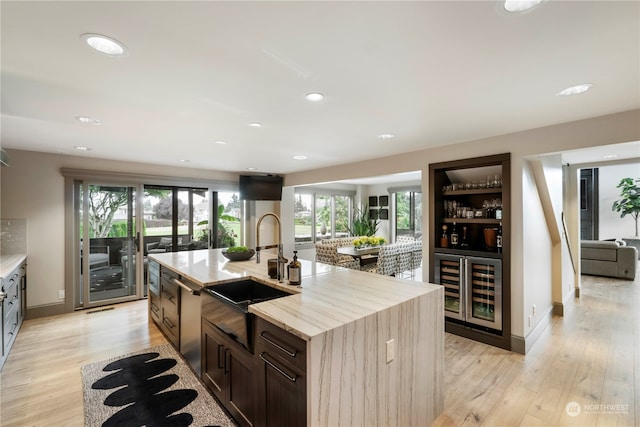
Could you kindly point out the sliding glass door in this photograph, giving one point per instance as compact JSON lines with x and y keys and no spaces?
{"x":175,"y":219}
{"x":116,"y":225}
{"x":108,"y":247}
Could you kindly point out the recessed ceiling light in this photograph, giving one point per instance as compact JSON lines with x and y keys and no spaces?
{"x":255,"y":125}
{"x":220,"y":142}
{"x":610,"y":156}
{"x":387,"y":136}
{"x":104,"y":44}
{"x":183,"y":161}
{"x":314,"y":97}
{"x":89,"y":120}
{"x":82,"y":148}
{"x":575,"y":90}
{"x":300,"y":157}
{"x":251,"y":169}
{"x":517,"y":6}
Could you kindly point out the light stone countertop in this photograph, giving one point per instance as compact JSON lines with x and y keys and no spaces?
{"x":328,"y":298}
{"x":8,"y":263}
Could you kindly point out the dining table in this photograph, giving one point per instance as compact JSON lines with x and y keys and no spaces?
{"x":365,"y":256}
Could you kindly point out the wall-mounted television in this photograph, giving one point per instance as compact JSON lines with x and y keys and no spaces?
{"x":260,"y":187}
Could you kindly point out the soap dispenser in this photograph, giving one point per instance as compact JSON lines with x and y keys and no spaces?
{"x":294,"y":270}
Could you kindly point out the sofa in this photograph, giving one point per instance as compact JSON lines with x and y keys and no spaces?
{"x":608,"y":258}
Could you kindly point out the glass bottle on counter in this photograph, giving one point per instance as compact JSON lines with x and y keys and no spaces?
{"x":294,"y":270}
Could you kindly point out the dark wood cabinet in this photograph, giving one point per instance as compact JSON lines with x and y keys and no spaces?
{"x":472,"y":196}
{"x":280,"y":359}
{"x":164,"y":302}
{"x":170,"y":307}
{"x":227,"y":371}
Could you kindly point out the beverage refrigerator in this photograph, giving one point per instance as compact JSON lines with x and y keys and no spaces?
{"x":473,"y":288}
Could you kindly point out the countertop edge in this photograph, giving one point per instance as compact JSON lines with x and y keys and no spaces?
{"x":8,"y":263}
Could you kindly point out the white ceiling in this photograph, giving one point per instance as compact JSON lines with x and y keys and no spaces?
{"x":433,"y":73}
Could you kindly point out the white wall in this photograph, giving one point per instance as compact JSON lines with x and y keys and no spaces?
{"x":537,"y":252}
{"x":610,"y":224}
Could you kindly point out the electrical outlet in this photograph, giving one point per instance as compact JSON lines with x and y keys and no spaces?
{"x":61,"y":294}
{"x":390,"y":350}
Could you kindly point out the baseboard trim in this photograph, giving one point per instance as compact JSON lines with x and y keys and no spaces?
{"x":558,"y":309}
{"x":518,"y":344}
{"x":45,"y":311}
{"x":523,"y":345}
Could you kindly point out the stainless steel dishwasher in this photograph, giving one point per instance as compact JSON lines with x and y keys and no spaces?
{"x":190,"y":322}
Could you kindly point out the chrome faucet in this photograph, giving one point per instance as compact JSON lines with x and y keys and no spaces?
{"x":281,"y":259}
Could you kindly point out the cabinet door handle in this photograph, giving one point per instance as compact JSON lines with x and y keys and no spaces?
{"x":186,"y":287}
{"x":277,"y":368}
{"x":221,"y":355}
{"x":293,"y":353}
{"x":154,"y":308}
{"x":168,"y":296}
{"x":227,"y":360}
{"x":168,"y":323}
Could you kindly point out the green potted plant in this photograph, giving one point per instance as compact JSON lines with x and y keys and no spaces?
{"x":629,"y":203}
{"x":361,"y":224}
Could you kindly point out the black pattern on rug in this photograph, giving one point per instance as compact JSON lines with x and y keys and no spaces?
{"x":149,"y":389}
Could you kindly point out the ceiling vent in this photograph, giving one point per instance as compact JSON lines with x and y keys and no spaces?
{"x":4,"y":158}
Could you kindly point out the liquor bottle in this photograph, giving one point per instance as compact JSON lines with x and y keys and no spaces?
{"x":499,"y":239}
{"x":498,"y":209}
{"x":294,"y":270}
{"x":454,"y":237}
{"x":464,"y":244}
{"x":444,"y":240}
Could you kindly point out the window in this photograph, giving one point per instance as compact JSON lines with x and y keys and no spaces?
{"x":408,"y":213}
{"x":321,"y":215}
{"x":228,"y":219}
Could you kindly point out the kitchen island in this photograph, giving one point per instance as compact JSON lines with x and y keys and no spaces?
{"x":374,"y":344}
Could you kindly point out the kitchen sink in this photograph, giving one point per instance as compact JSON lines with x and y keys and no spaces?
{"x":226,"y":306}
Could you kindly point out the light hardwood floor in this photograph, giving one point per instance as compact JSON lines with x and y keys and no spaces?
{"x":590,"y":356}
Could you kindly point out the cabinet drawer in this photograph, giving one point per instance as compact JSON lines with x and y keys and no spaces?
{"x":170,"y":324}
{"x":281,"y":344}
{"x":169,"y":294}
{"x":154,"y":308}
{"x":167,"y":274}
{"x":12,"y":299}
{"x":10,"y":329}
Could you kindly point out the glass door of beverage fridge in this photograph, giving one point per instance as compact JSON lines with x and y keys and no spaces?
{"x":484,"y":292}
{"x":449,"y":272}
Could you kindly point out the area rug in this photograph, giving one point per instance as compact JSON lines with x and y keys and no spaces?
{"x":153,"y":387}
